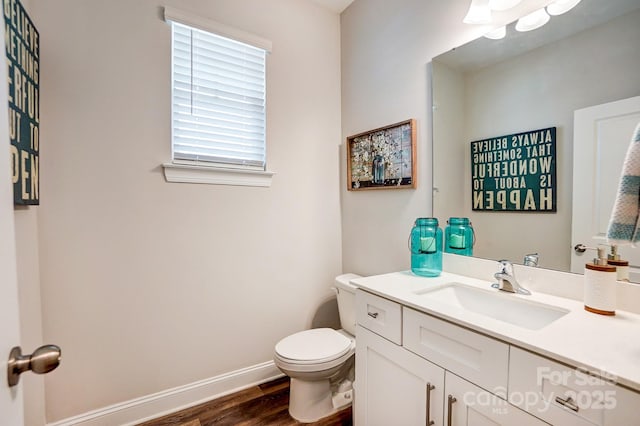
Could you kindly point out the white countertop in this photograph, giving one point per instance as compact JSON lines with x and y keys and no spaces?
{"x":608,"y":346}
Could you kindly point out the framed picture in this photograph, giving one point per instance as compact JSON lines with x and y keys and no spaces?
{"x":515,"y":173}
{"x":383,"y":158}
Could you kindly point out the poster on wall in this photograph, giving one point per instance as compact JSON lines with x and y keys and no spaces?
{"x":515,"y":173}
{"x":383,"y":158}
{"x":22,"y":46}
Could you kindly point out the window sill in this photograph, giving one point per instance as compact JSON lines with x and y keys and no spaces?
{"x":190,"y":173}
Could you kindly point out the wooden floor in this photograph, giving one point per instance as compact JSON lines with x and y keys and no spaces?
{"x":263,"y":405}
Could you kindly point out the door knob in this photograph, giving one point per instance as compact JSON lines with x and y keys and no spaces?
{"x":580,"y":248}
{"x":41,"y":361}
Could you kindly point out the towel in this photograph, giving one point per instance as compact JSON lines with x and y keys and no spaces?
{"x":624,"y":227}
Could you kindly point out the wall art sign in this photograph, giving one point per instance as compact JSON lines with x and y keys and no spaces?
{"x":383,"y":158}
{"x":515,"y":173}
{"x":22,"y":46}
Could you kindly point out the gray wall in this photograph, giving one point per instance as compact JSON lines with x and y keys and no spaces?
{"x":386,"y":50}
{"x":148,"y":285}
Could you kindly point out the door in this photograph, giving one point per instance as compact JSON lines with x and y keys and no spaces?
{"x":601,"y":136}
{"x":10,"y":398}
{"x":469,"y":405}
{"x":395,"y":386}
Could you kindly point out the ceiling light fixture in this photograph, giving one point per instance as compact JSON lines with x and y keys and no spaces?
{"x":479,"y":12}
{"x":497,"y":34}
{"x":532,"y":21}
{"x":501,"y":5}
{"x":559,"y":7}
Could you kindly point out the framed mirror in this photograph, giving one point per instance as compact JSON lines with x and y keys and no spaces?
{"x":531,"y":80}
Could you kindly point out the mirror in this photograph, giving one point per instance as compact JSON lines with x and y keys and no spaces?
{"x":527,"y":81}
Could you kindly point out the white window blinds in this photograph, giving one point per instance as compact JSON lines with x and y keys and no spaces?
{"x":218,"y":108}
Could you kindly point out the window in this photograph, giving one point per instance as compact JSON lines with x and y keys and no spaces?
{"x":218,"y":95}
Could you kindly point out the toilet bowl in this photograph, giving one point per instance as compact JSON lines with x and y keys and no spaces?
{"x":320,"y":362}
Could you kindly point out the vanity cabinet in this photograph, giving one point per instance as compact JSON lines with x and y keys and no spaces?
{"x":479,"y":359}
{"x":395,"y":386}
{"x":627,"y":411}
{"x":405,"y":365}
{"x":469,"y":405}
{"x":564,"y":395}
{"x":380,"y":315}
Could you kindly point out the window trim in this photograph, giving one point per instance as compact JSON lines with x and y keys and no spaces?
{"x":182,"y":171}
{"x":185,"y":172}
{"x":186,"y":18}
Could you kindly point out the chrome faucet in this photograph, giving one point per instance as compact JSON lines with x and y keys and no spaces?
{"x":507,"y":279}
{"x":531,"y":259}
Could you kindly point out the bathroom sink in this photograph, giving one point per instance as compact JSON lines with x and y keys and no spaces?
{"x":497,"y":305}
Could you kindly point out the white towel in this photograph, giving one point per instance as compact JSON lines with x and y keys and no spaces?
{"x":624,"y":227}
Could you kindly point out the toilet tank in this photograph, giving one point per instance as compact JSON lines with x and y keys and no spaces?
{"x":346,"y":294}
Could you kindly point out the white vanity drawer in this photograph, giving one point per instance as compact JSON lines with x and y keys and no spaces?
{"x":380,"y":315}
{"x":479,"y":359}
{"x":559,"y":394}
{"x":627,"y":406}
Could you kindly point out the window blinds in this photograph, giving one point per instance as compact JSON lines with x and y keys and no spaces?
{"x":218,"y":108}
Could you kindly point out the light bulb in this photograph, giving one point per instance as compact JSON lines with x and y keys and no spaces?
{"x":479,"y":12}
{"x":559,"y":7}
{"x":497,"y":34}
{"x":503,"y":4}
{"x":532,"y":21}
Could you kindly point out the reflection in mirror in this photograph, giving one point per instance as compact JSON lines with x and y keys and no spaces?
{"x":526,"y":81}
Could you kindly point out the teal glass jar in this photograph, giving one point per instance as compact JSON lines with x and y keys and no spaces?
{"x":425,"y":243}
{"x":459,"y":236}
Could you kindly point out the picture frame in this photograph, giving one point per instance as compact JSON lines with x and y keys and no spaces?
{"x":383,"y":158}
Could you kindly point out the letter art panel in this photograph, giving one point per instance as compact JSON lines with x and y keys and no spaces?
{"x":515,"y":173}
{"x":22,"y":47}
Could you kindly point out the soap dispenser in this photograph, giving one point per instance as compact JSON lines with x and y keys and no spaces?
{"x":600,"y":285}
{"x":622,"y":266}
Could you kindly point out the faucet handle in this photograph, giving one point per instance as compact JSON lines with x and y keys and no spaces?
{"x":507,"y":280}
{"x":506,"y":267}
{"x":531,"y":259}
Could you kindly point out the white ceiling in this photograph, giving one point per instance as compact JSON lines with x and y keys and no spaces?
{"x":483,"y":52}
{"x":334,"y":5}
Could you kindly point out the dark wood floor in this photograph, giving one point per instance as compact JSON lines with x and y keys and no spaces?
{"x":263,"y":405}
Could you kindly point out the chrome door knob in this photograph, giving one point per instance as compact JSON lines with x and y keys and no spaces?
{"x":43,"y":360}
{"x":580,"y":248}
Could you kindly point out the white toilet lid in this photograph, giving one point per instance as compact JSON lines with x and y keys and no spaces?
{"x":312,"y":345}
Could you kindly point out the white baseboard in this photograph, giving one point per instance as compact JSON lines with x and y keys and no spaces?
{"x":156,"y":405}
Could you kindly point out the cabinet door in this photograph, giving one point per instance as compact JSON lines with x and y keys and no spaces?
{"x":626,"y":408}
{"x":394,"y":386}
{"x":469,"y":405}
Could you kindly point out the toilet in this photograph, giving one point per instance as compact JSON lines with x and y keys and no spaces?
{"x":320,"y":361}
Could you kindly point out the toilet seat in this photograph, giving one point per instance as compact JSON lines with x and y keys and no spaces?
{"x":314,"y":350}
{"x":313,"y":346}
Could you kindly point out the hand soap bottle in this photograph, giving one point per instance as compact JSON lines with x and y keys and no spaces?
{"x":622,"y":266}
{"x":600,"y":285}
